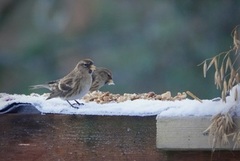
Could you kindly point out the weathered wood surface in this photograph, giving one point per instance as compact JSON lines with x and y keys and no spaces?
{"x":72,"y":137}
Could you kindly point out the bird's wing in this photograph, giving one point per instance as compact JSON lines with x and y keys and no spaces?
{"x":68,"y":82}
{"x":95,"y":85}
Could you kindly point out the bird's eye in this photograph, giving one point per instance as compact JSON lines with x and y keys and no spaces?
{"x":85,"y":65}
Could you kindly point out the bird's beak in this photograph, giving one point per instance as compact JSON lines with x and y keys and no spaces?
{"x":110,"y":82}
{"x":93,"y":67}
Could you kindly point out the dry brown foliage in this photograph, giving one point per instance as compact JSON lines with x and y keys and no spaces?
{"x":236,"y":139}
{"x":220,"y":129}
{"x":226,"y":66}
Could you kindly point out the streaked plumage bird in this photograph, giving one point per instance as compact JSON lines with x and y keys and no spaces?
{"x":74,"y":85}
{"x":100,"y":77}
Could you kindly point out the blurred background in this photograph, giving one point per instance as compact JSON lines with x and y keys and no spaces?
{"x":152,"y":45}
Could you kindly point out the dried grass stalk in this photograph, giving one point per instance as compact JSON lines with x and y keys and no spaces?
{"x":237,"y":78}
{"x":205,"y":69}
{"x":220,"y":129}
{"x":193,"y":96}
{"x":225,"y":87}
{"x":211,"y":63}
{"x":236,"y":140}
{"x":225,"y":78}
{"x":236,"y":36}
{"x":227,"y":75}
{"x":222,"y":72}
{"x":230,"y":83}
{"x":215,"y":63}
{"x":217,"y":79}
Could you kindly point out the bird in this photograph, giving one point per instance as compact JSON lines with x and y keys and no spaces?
{"x":72,"y":86}
{"x":100,"y":77}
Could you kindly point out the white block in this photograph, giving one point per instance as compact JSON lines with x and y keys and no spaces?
{"x":186,"y":133}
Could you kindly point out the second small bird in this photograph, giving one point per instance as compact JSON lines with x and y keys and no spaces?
{"x":100,"y":77}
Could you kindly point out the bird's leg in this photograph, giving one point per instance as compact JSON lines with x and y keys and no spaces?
{"x":78,"y":102}
{"x":71,"y":104}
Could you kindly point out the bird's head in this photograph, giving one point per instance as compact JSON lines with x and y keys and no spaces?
{"x":106,"y":75}
{"x":86,"y":64}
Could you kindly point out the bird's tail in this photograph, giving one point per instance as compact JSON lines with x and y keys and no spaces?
{"x":40,"y":86}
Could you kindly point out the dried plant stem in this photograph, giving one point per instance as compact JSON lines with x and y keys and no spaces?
{"x":193,"y":96}
{"x":220,"y":129}
{"x":225,"y":77}
{"x":227,"y":74}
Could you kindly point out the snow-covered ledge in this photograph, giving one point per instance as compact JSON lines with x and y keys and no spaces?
{"x":180,"y":124}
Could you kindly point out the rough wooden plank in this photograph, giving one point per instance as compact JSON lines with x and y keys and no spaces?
{"x":73,"y":137}
{"x":185,"y":133}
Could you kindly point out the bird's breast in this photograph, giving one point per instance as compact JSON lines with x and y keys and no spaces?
{"x":84,"y":90}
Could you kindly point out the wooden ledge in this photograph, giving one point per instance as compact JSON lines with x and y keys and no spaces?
{"x":74,"y":137}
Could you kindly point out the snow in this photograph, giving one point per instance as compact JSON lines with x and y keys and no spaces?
{"x":138,"y":107}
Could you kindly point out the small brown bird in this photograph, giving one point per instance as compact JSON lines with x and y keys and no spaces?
{"x":74,"y":85}
{"x":100,"y":77}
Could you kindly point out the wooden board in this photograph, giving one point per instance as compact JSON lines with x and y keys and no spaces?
{"x":74,"y":137}
{"x":54,"y":137}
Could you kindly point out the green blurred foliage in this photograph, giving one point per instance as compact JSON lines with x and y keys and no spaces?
{"x":152,"y":45}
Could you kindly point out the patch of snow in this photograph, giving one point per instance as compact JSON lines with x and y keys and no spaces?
{"x":139,"y":107}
